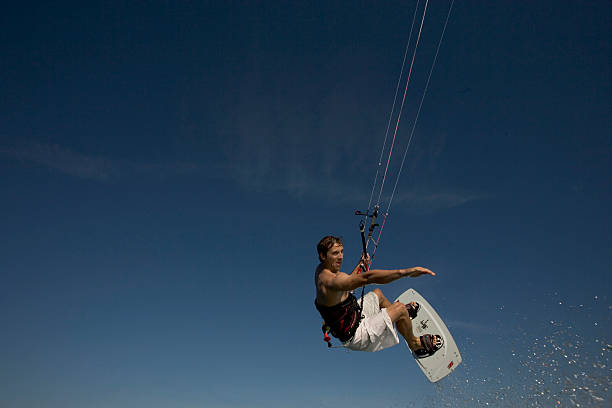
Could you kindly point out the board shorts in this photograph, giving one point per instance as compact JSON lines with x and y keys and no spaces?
{"x":376,"y":331}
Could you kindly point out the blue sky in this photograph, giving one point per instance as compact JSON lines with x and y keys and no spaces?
{"x":168,"y":168}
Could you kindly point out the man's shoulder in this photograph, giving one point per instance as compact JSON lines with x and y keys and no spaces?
{"x":325,"y":275}
{"x":321,"y":273}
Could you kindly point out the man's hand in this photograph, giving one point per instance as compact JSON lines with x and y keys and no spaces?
{"x":365,"y":260}
{"x":418,"y":271}
{"x":362,"y":265}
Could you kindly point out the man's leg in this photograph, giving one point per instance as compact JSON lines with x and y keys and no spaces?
{"x":399,"y":315}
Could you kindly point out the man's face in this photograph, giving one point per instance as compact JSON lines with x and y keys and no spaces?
{"x":333,"y":259}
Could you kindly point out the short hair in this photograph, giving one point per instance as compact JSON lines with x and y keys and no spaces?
{"x":326,"y":243}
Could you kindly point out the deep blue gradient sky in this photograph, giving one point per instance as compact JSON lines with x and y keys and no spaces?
{"x":167,"y":169}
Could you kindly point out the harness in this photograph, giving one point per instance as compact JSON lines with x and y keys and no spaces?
{"x":340,"y":320}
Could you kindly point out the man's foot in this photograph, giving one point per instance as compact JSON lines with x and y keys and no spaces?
{"x":429,"y":345}
{"x":413,"y":309}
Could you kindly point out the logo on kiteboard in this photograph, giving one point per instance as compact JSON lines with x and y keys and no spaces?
{"x":424,"y":324}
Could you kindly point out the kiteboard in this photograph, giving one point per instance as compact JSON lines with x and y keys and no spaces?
{"x":427,"y":321}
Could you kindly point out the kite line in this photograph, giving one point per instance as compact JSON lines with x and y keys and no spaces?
{"x":372,"y":212}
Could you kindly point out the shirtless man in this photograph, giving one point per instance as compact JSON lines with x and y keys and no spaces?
{"x":370,"y":329}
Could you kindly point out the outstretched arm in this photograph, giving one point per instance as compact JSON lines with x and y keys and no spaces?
{"x":383,"y":276}
{"x":342,"y":281}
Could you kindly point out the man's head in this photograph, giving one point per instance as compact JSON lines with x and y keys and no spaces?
{"x":330,"y":247}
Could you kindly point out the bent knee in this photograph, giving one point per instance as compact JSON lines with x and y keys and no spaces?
{"x":397,"y":311}
{"x":382,"y":300}
{"x":398,"y":307}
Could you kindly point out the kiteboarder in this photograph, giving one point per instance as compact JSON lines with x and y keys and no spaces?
{"x":368,"y":324}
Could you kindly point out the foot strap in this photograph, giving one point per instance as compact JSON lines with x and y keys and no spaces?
{"x":412,"y":309}
{"x":429,"y":345}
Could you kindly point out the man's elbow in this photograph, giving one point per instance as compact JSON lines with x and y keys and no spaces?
{"x":359,"y":281}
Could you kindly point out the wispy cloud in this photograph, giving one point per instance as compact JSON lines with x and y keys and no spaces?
{"x":83,"y":166}
{"x":297,"y":168}
{"x":429,"y":201}
{"x":65,"y":161}
{"x":308,"y":139}
{"x":325,"y":145}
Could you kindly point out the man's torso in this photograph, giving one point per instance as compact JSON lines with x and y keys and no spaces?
{"x":325,"y":295}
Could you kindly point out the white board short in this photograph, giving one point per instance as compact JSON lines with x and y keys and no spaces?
{"x":375,"y":331}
